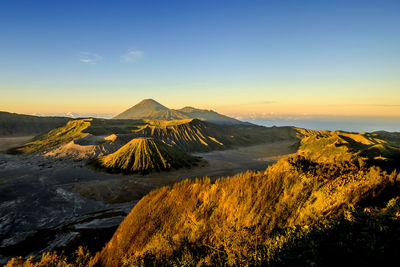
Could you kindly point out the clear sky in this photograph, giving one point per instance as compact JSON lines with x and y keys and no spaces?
{"x":236,"y":57}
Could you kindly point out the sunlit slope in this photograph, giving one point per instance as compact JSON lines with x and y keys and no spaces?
{"x":143,"y":155}
{"x":72,"y":130}
{"x":239,"y":219}
{"x":12,"y":124}
{"x":196,"y":135}
{"x":325,"y":146}
{"x":84,"y":132}
{"x":189,"y":135}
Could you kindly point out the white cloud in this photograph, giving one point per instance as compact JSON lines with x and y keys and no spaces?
{"x":131,"y":56}
{"x":89,"y":58}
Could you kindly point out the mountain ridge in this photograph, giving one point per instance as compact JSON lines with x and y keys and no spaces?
{"x":189,"y":135}
{"x":14,"y":124}
{"x":151,"y":109}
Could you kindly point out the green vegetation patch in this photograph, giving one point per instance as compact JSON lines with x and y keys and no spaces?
{"x":72,"y":130}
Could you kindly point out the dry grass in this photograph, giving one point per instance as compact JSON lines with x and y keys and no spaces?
{"x":236,"y":215}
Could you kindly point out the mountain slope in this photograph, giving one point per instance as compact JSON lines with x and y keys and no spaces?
{"x":143,"y":155}
{"x":62,"y":135}
{"x":78,"y":132}
{"x":379,"y":148}
{"x":12,"y":124}
{"x":87,"y":147}
{"x":208,"y":115}
{"x":169,"y":114}
{"x":195,"y":135}
{"x":151,"y":109}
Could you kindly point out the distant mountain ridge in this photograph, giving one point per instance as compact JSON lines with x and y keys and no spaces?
{"x":151,"y":109}
{"x":13,"y":124}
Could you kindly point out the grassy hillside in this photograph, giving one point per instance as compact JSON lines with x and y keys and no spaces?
{"x":379,"y":148}
{"x":12,"y":124}
{"x":143,"y":155}
{"x":355,"y":238}
{"x":236,"y":219}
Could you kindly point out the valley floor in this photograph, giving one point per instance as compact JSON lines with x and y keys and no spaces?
{"x":9,"y":142}
{"x":48,"y":204}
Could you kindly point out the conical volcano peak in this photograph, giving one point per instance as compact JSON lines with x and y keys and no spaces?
{"x":143,"y":155}
{"x":151,"y":103}
{"x":144,"y":109}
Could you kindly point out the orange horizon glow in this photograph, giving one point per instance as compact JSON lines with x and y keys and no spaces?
{"x":351,"y":98}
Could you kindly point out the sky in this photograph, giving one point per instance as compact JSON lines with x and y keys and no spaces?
{"x":259,"y":59}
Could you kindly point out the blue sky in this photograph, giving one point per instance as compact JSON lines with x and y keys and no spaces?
{"x":264,"y":57}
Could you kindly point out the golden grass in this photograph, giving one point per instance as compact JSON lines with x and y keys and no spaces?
{"x":236,"y":214}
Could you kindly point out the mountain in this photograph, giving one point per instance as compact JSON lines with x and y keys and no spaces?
{"x":151,"y":109}
{"x":208,"y":115}
{"x":190,"y":135}
{"x":12,"y":124}
{"x":147,"y":108}
{"x":143,"y":155}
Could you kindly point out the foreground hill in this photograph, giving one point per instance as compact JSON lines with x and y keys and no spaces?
{"x":143,"y":155}
{"x":151,"y":109}
{"x":251,"y":217}
{"x":12,"y":124}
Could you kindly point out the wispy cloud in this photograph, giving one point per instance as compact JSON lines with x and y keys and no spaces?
{"x":89,"y":58}
{"x":131,"y":56}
